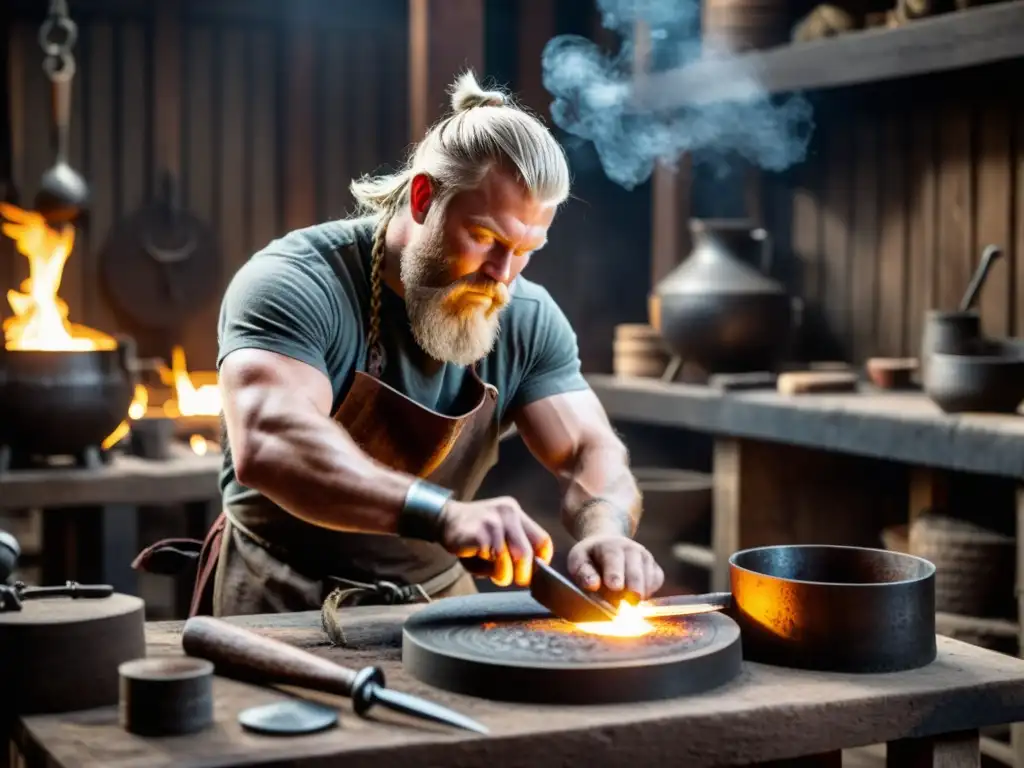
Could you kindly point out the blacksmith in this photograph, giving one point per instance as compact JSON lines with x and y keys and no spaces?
{"x":368,"y":367}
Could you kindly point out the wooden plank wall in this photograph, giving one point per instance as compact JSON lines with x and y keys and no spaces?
{"x":276,"y":116}
{"x":275,"y":121}
{"x":906,"y":185}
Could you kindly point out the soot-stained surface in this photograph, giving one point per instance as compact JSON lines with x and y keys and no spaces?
{"x":511,"y":628}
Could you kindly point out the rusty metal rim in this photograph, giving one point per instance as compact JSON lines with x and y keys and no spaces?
{"x":929,"y":567}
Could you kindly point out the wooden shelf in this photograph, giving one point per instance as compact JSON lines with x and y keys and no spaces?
{"x":956,"y":40}
{"x":126,"y":480}
{"x":898,"y":426}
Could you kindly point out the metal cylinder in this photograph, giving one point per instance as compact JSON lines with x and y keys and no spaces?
{"x":946,"y":333}
{"x":166,"y":697}
{"x":152,"y":437}
{"x":837,"y":609}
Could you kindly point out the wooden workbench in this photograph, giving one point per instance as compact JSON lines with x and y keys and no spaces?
{"x":835,"y":468}
{"x":90,"y":515}
{"x":767,"y":714}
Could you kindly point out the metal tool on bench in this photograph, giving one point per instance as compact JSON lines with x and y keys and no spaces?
{"x":564,"y":599}
{"x":244,"y":655}
{"x":13,"y":595}
{"x":36,"y":635}
{"x":567,"y":601}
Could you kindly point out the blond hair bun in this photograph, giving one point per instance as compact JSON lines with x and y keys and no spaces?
{"x":467,"y":94}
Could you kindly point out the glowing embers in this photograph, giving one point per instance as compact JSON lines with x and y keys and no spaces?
{"x":629,"y":622}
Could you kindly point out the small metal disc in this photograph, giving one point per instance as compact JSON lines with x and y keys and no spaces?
{"x":288,"y":718}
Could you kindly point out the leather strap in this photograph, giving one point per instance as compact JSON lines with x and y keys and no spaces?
{"x":350,"y":593}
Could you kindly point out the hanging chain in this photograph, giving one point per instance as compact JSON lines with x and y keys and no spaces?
{"x":57,"y":37}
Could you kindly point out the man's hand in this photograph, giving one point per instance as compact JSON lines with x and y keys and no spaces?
{"x":615,"y":563}
{"x":499,"y":532}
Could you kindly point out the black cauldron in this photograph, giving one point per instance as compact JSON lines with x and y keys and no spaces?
{"x":717,"y":310}
{"x":63,"y":403}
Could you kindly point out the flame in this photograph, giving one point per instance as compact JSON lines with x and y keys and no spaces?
{"x":629,"y":621}
{"x":140,"y":402}
{"x":40,"y":320}
{"x":189,"y":399}
{"x":137,"y":409}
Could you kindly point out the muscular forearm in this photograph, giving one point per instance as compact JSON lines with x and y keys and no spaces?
{"x":601,"y":495}
{"x":309,"y":466}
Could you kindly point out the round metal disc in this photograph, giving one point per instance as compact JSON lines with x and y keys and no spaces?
{"x":505,"y":646}
{"x":288,"y":718}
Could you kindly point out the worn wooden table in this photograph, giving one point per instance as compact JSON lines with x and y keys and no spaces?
{"x":90,"y":516}
{"x":928,"y":716}
{"x":836,"y":469}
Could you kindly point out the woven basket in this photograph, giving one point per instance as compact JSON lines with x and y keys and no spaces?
{"x":975,"y":568}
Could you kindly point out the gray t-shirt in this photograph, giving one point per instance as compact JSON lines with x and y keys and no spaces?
{"x":306,"y":296}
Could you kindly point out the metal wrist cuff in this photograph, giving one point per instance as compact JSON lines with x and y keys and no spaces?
{"x":421,"y":514}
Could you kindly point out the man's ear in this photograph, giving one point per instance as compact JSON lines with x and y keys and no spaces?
{"x":421,"y":195}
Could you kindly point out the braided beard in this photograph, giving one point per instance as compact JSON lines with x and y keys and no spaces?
{"x":447,"y":324}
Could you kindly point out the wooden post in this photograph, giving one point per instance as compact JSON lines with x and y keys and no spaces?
{"x":771,"y":493}
{"x":536,"y":28}
{"x":300,"y":166}
{"x":1017,"y":729}
{"x":445,"y":38}
{"x":929,"y":489}
{"x":947,"y":750}
{"x":670,"y":191}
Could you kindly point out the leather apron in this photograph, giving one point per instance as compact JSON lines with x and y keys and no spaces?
{"x":241,"y":573}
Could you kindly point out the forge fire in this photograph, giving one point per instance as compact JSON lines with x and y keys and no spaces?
{"x":41,"y":321}
{"x":41,"y":318}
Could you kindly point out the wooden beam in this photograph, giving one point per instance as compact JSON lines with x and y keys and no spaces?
{"x":1017,"y":729}
{"x":445,"y":38}
{"x":768,"y":494}
{"x":536,"y":28}
{"x":670,"y":189}
{"x":300,"y":171}
{"x":897,"y":426}
{"x":952,"y":41}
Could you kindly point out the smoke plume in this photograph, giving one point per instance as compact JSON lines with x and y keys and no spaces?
{"x":593,"y":98}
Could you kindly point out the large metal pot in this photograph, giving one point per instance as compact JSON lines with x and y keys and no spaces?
{"x":840,"y":609}
{"x":718,"y":311}
{"x":62,"y":403}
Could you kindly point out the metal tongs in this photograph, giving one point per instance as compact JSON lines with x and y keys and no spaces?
{"x":567,"y":601}
{"x":12,"y":596}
